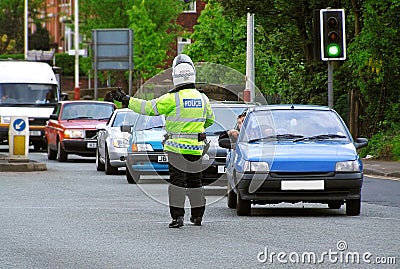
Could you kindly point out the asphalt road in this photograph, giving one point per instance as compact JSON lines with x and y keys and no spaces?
{"x":72,"y":216}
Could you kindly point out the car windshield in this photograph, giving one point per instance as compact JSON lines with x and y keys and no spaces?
{"x":93,"y":111}
{"x":225,"y":119}
{"x":293,"y":125}
{"x":125,"y":118}
{"x":27,"y":94}
{"x":144,"y":122}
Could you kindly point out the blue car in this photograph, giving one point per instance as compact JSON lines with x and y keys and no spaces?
{"x":145,"y":153}
{"x":294,"y":153}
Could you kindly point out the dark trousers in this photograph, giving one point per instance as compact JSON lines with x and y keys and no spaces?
{"x":185,"y":179}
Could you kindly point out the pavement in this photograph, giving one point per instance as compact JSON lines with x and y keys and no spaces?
{"x":8,"y":164}
{"x":372,"y":167}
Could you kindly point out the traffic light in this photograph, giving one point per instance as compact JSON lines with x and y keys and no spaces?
{"x":333,"y":39}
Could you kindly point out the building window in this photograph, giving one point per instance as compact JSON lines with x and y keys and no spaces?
{"x":190,"y":6}
{"x":182,"y":42}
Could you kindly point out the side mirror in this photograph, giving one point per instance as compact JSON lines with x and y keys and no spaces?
{"x":360,"y":142}
{"x":225,"y":143}
{"x":54,"y":117}
{"x":126,"y":128}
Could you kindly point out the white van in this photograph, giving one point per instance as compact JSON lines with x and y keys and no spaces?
{"x":27,"y":89}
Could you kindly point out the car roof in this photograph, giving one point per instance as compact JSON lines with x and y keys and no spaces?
{"x":290,"y":106}
{"x":84,"y":101}
{"x":231,"y":104}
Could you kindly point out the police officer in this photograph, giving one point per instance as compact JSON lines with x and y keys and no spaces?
{"x":187,"y":113}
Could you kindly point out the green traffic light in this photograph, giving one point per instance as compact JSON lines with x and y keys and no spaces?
{"x":333,"y":50}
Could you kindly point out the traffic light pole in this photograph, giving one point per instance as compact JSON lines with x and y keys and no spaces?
{"x":330,"y":84}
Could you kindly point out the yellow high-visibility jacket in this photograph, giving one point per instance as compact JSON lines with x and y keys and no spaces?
{"x":187,"y":113}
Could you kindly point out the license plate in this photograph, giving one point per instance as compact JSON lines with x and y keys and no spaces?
{"x":302,"y":185}
{"x":162,"y":158}
{"x":91,"y":145}
{"x":35,"y":133}
{"x":221,"y":169}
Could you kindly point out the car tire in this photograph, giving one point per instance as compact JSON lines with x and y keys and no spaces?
{"x":51,"y":154}
{"x":335,"y":204}
{"x":232,"y":199}
{"x":132,"y":179}
{"x":110,"y":170}
{"x":62,"y":155}
{"x":99,"y":164}
{"x":353,"y":207}
{"x":243,"y":207}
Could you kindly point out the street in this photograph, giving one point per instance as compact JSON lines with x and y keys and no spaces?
{"x":72,"y":216}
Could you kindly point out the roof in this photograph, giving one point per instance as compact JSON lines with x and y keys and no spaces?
{"x":12,"y":71}
{"x":290,"y":106}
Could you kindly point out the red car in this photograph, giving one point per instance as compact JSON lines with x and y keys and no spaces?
{"x":71,"y":128}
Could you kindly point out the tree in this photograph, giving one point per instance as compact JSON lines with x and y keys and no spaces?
{"x":12,"y":23}
{"x":152,"y":21}
{"x":39,"y":40}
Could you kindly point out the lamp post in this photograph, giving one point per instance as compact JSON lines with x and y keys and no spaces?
{"x":26,"y":30}
{"x":248,"y":94}
{"x":76,"y":45}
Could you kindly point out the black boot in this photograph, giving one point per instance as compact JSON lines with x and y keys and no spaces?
{"x":196,"y":220}
{"x":176,"y":223}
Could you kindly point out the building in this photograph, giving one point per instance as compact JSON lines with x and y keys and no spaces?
{"x":59,"y":14}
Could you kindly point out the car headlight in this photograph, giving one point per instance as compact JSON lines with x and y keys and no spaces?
{"x":256,"y":167}
{"x":5,"y":119}
{"x":347,"y":166}
{"x":120,"y":143}
{"x":74,"y":133}
{"x":141,"y":147}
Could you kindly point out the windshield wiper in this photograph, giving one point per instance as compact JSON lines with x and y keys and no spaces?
{"x":153,"y":127}
{"x":81,"y":118}
{"x":277,"y":137}
{"x":320,"y":137}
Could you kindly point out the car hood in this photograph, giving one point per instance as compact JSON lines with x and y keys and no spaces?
{"x":299,"y":157}
{"x":154,"y":137}
{"x":81,"y":124}
{"x":115,"y":132}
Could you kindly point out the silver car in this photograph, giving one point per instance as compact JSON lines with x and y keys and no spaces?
{"x":113,"y":140}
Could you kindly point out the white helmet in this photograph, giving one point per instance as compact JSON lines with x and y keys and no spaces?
{"x":183,"y":71}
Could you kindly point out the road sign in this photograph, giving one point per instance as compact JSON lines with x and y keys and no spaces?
{"x":19,"y":125}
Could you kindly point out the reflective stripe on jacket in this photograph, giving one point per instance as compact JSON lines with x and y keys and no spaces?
{"x":186,"y":111}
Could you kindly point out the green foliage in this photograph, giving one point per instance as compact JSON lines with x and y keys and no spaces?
{"x":12,"y":23}
{"x":151,"y":23}
{"x":39,"y":40}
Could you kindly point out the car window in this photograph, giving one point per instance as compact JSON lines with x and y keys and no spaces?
{"x":294,"y":124}
{"x":225,"y":119}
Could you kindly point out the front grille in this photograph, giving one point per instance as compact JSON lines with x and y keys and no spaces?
{"x":301,"y":174}
{"x":37,"y":121}
{"x":90,"y":134}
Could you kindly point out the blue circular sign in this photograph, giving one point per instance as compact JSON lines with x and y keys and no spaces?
{"x":19,"y":125}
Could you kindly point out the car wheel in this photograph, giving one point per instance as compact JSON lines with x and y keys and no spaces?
{"x":335,"y":204}
{"x":243,"y":207}
{"x":132,"y":179}
{"x":51,"y":154}
{"x":62,"y":155}
{"x":353,"y":207}
{"x":99,"y":164}
{"x":232,"y":199}
{"x":110,"y":170}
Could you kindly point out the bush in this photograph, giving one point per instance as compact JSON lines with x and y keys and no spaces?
{"x":384,"y":146}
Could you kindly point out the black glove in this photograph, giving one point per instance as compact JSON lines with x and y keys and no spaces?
{"x":121,"y":96}
{"x":109,"y":97}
